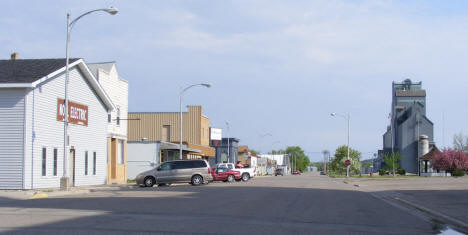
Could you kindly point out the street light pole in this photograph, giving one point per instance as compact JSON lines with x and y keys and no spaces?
{"x":65,"y":180}
{"x":228,"y":147}
{"x":347,"y":117}
{"x":182,"y":90}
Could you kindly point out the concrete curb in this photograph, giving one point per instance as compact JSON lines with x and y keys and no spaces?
{"x":38,"y":195}
{"x":462,"y":226}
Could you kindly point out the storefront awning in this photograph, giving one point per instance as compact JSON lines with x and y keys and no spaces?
{"x":173,"y":146}
{"x":205,"y":151}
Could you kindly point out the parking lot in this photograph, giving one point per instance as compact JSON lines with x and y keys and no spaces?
{"x":293,"y":204}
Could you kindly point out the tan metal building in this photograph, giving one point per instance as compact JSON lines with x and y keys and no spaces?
{"x":164,"y":126}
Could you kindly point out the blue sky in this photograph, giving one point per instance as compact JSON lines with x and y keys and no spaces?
{"x":278,"y":67}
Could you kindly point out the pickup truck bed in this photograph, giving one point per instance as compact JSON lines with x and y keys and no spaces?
{"x":246,"y":173}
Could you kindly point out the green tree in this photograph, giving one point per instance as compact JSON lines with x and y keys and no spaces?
{"x":337,"y":163}
{"x":297,"y":157}
{"x":281,"y":151}
{"x":254,"y":152}
{"x":367,"y":165}
{"x":392,"y":161}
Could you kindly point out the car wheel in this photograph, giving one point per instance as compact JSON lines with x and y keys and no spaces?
{"x":230,"y":178}
{"x":149,"y":181}
{"x":197,"y":180}
{"x":245,"y":177}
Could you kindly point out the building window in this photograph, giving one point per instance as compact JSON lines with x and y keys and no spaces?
{"x":86,"y":163}
{"x":55,"y":161}
{"x":118,"y":117}
{"x":109,"y":118}
{"x":44,"y":159}
{"x":94,"y":163}
{"x":120,"y":152}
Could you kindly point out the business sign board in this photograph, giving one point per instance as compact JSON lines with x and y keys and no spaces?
{"x":77,"y":113}
{"x":216,"y":133}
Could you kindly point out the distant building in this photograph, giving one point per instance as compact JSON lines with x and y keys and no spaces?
{"x":246,"y":157}
{"x":408,"y":122}
{"x":224,"y":155}
{"x":165,"y":127}
{"x":282,"y":161}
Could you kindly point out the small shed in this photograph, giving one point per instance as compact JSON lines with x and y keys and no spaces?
{"x":425,"y":164}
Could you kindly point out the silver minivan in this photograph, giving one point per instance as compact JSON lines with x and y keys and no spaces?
{"x":195,"y":172}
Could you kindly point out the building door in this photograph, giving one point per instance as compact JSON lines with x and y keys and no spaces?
{"x":114,"y":146}
{"x":166,"y":133}
{"x":72,"y":167}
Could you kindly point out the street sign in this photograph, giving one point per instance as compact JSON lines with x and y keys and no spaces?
{"x":347,"y":162}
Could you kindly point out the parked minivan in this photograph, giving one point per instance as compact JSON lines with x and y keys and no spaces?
{"x":195,"y":172}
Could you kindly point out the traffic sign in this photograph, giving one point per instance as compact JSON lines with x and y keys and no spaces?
{"x":347,"y":162}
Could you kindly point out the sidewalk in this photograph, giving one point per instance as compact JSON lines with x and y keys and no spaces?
{"x":444,"y":198}
{"x":56,"y":192}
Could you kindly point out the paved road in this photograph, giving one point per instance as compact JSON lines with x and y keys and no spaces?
{"x":303,"y":204}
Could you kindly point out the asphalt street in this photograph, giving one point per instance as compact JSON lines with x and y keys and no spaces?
{"x":306,"y":204}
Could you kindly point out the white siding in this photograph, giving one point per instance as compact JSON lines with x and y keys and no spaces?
{"x":48,"y":132}
{"x":117,"y":89}
{"x":11,"y":138}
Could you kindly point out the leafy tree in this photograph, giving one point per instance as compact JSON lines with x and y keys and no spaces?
{"x":337,"y":164}
{"x":281,"y":151}
{"x":392,"y":161}
{"x":367,"y":165}
{"x":450,"y":160}
{"x":297,"y":156}
{"x":460,"y":142}
{"x":253,"y":152}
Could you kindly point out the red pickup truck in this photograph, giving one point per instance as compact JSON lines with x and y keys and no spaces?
{"x":225,"y":174}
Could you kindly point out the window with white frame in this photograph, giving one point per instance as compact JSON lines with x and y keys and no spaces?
{"x":86,"y":163}
{"x":55,"y":161}
{"x":44,"y":161}
{"x":120,"y":152}
{"x":94,"y":163}
{"x":117,"y":120}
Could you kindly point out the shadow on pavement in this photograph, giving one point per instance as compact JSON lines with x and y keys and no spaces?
{"x":217,"y":209}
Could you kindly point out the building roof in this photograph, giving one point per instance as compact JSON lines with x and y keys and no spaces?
{"x":243,"y":149}
{"x":411,"y":93}
{"x":32,"y":72}
{"x":29,"y":70}
{"x":431,"y":154}
{"x":106,"y":66}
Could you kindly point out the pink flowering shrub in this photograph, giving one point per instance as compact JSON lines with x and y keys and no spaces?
{"x":450,"y":160}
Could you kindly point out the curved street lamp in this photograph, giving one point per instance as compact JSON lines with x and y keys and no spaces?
{"x":347,"y":117}
{"x":182,"y":90}
{"x":65,"y":181}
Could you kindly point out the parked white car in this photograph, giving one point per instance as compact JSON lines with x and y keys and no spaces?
{"x":246,"y":173}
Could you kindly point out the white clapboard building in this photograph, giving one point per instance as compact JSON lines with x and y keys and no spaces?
{"x":32,"y":128}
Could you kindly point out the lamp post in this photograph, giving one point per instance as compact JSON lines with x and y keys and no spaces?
{"x":65,"y":180}
{"x":347,"y":117}
{"x":228,"y":147}
{"x":182,"y":90}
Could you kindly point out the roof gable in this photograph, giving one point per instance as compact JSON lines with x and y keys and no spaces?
{"x":29,"y":70}
{"x":30,"y":73}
